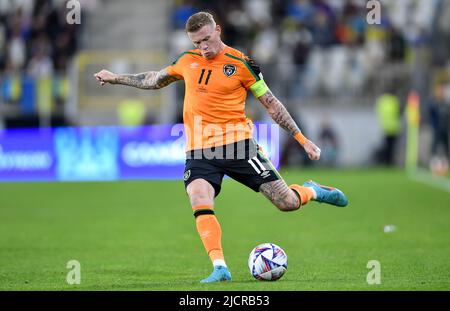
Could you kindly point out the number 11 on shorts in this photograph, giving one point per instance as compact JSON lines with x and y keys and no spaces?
{"x":255,"y":159}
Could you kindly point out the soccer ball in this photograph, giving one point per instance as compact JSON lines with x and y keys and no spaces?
{"x":267,"y":262}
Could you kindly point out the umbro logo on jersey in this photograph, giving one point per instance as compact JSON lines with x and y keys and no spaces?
{"x":229,"y":70}
{"x":265,"y":174}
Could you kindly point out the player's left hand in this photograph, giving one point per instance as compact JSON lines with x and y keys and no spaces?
{"x":312,"y":150}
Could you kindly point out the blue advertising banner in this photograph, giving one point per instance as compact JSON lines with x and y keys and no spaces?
{"x":155,"y":152}
{"x":105,"y":153}
{"x":27,"y":155}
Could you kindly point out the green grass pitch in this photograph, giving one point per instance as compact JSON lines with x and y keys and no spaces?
{"x":140,"y":235}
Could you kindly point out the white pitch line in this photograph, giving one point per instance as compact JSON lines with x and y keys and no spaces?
{"x":425,"y":177}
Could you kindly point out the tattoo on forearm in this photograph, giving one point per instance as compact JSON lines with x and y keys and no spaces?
{"x":150,"y":80}
{"x":279,"y":113}
{"x":280,"y":194}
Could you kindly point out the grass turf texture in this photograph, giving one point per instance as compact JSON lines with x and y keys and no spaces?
{"x":141,"y":235}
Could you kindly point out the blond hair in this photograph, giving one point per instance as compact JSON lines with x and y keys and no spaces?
{"x":198,"y":20}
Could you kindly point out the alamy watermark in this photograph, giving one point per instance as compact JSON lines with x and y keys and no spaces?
{"x":74,"y":12}
{"x":374,"y":275}
{"x":74,"y":275}
{"x":229,"y":141}
{"x":374,"y":15}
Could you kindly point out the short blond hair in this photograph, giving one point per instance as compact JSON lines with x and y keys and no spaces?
{"x":198,"y":20}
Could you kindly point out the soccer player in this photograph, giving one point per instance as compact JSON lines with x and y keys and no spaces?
{"x":219,"y":136}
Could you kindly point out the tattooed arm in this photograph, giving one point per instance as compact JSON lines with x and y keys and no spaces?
{"x":151,"y":80}
{"x":280,"y":115}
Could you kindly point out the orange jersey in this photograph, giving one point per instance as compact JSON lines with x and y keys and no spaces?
{"x":215,"y":93}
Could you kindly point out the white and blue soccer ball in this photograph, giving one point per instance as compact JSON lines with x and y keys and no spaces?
{"x":267,"y":262}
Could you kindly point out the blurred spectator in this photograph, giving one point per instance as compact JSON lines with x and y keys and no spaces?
{"x":396,"y":46}
{"x":302,"y":45}
{"x":440,"y":122}
{"x":264,"y":50}
{"x":351,"y":26}
{"x":183,"y":9}
{"x":295,"y":47}
{"x":300,"y":10}
{"x":329,"y":144}
{"x":388,"y":112}
{"x":259,"y":11}
{"x":323,"y":29}
{"x":16,"y":41}
{"x":265,"y":45}
{"x":40,"y":65}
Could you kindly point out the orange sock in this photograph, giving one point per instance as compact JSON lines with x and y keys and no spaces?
{"x":210,"y":232}
{"x":305,"y":194}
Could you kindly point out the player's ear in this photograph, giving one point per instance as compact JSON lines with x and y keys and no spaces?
{"x":218,"y":29}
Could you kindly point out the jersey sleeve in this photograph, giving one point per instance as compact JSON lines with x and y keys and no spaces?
{"x":253,"y":79}
{"x":176,"y":69}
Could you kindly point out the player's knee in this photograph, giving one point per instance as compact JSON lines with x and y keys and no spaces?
{"x":199,"y":193}
{"x":289,"y":204}
{"x":199,"y":198}
{"x":287,"y":207}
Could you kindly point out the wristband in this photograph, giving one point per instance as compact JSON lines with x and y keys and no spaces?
{"x":300,"y":138}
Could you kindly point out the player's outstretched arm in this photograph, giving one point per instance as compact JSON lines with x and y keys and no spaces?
{"x":280,"y":115}
{"x":151,"y":80}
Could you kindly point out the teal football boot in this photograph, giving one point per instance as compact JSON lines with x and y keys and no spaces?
{"x":327,"y":194}
{"x":219,"y":274}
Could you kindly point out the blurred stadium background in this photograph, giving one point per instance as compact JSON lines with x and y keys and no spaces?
{"x":347,"y":82}
{"x":375,"y":98}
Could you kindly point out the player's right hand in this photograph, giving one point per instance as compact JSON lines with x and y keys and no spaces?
{"x":312,"y":150}
{"x":105,"y":76}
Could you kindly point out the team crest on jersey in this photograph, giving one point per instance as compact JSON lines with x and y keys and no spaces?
{"x":229,"y":70}
{"x":187,"y":174}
